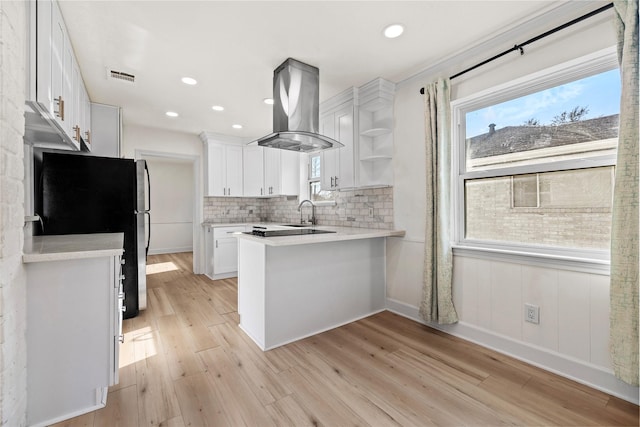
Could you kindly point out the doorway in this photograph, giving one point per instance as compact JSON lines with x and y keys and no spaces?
{"x":175,"y":208}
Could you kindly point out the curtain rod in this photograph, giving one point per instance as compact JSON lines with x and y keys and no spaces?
{"x":536,"y":38}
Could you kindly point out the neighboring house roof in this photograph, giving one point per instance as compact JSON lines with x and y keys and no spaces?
{"x":513,"y":139}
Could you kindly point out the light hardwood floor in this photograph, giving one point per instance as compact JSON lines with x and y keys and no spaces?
{"x":185,"y":362}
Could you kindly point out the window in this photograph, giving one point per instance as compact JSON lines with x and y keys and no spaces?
{"x":535,"y":161}
{"x":316,"y":193}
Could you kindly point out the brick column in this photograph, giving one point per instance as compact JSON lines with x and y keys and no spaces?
{"x":13,"y":356}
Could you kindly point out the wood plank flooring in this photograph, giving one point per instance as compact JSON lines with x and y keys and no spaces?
{"x":185,"y":362}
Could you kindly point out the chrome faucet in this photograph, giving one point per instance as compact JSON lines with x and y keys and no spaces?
{"x":313,"y":211}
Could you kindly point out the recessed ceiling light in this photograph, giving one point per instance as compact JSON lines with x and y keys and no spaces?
{"x":268,"y":101}
{"x":217,"y":108}
{"x":393,"y":31}
{"x":237,"y":126}
{"x":171,"y":114}
{"x":189,"y":81}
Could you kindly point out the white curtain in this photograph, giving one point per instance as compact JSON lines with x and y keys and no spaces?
{"x":437,"y":303}
{"x":624,"y":230}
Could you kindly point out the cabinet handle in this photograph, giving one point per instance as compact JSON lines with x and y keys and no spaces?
{"x":122,"y":277}
{"x":261,"y":192}
{"x":88,"y":134}
{"x":216,"y":243}
{"x":121,"y":338}
{"x":60,"y":112}
{"x":331,"y":182}
{"x":122,"y":261}
{"x":224,"y":191}
{"x":76,"y":130}
{"x":336,"y":181}
{"x":228,"y":191}
{"x":124,"y":308}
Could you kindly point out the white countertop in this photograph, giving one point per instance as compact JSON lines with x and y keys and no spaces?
{"x":341,"y":234}
{"x":237,"y":224}
{"x":72,"y":246}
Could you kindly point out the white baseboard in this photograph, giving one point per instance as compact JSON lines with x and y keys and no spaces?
{"x":577,"y":370}
{"x":160,"y":251}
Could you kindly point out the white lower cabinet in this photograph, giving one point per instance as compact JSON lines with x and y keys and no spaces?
{"x":221,"y":251}
{"x":74,"y":326}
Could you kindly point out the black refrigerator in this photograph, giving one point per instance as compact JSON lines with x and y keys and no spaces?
{"x":80,"y":194}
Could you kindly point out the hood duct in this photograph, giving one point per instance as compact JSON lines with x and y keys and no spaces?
{"x":296,"y":110}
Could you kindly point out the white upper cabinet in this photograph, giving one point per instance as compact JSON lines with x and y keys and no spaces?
{"x":58,"y":112}
{"x":223,"y":167}
{"x":338,"y":123}
{"x":234,"y":170}
{"x":362,"y":120}
{"x":106,"y":129}
{"x":253,"y":170}
{"x":281,"y":172}
{"x":270,"y":171}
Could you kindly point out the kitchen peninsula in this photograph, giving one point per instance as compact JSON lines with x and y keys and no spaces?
{"x":292,"y":287}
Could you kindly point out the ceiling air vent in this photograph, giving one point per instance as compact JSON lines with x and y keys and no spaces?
{"x":121,"y":76}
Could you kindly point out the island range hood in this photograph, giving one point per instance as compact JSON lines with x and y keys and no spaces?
{"x":296,"y":105}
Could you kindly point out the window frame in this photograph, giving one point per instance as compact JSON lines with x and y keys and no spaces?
{"x":317,"y":179}
{"x":590,"y":260}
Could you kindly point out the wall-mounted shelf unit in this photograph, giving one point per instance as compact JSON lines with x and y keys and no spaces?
{"x":375,"y":141}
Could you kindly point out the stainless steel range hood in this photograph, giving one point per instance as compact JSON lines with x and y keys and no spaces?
{"x":296,"y":105}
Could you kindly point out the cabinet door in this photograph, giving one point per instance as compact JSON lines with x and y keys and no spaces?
{"x":234,"y":170}
{"x":106,"y":130}
{"x":86,"y":122}
{"x":344,"y":128}
{"x":44,"y":47}
{"x":208,"y":252}
{"x":216,"y":170}
{"x":67,"y":85}
{"x":329,"y":166}
{"x":329,"y":159}
{"x":289,"y":173}
{"x":75,"y":101}
{"x":225,"y":258}
{"x":58,"y":48}
{"x":253,"y":171}
{"x":272,"y":171}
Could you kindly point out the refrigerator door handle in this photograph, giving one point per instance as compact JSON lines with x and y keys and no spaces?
{"x":146,"y":251}
{"x":148,"y":207}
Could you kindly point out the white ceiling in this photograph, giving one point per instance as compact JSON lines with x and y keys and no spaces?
{"x":232,"y":47}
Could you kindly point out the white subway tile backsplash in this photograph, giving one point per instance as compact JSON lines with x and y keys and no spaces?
{"x":351,"y":209}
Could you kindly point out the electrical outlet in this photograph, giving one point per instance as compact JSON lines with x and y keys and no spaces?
{"x":532,"y":313}
{"x":370,"y":212}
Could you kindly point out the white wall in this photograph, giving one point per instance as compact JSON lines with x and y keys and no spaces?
{"x":172,"y":199}
{"x":140,"y":141}
{"x":489,"y":294}
{"x":13,"y":351}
